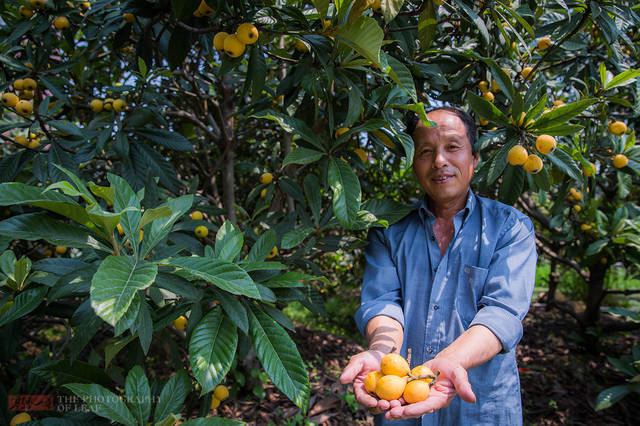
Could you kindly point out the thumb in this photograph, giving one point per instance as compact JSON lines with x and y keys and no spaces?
{"x":458,"y":376}
{"x":351,"y":371}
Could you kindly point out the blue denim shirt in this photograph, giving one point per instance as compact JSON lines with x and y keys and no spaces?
{"x":486,"y":276}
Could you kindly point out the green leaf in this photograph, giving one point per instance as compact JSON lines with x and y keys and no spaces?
{"x":288,"y":279}
{"x":256,"y":72}
{"x":486,"y":109}
{"x":234,"y":309}
{"x":160,"y":228}
{"x":295,"y":237}
{"x":480,"y":25}
{"x":562,"y":114}
{"x":24,"y":303}
{"x":144,"y":327}
{"x":565,"y":163}
{"x":66,"y":127}
{"x":229,"y":241}
{"x":227,"y":276}
{"x":302,"y":156}
{"x":263,"y":246}
{"x":62,"y":372}
{"x":622,"y":79}
{"x":291,"y":125}
{"x":499,"y":162}
{"x":280,"y":358}
{"x":512,"y":184}
{"x":387,"y":209}
{"x":346,"y":191}
{"x":427,"y":25}
{"x":115,"y":284}
{"x":322,"y":6}
{"x":173,"y":395}
{"x":166,"y":138}
{"x":390,"y":8}
{"x":314,"y":195}
{"x":595,"y":247}
{"x":212,"y":349}
{"x":610,"y":396}
{"x":401,"y":75}
{"x":138,"y":394}
{"x":178,"y":286}
{"x":364,"y":36}
{"x":179,"y":46}
{"x":103,"y":402}
{"x":562,"y":130}
{"x":13,"y":193}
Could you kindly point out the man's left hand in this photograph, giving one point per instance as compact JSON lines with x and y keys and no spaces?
{"x":451,"y":381}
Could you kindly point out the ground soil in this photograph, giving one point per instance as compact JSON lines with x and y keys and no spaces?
{"x":560,"y":380}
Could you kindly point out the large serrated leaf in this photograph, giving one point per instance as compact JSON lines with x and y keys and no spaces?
{"x":314,"y":195}
{"x":166,"y":138}
{"x":295,"y":237}
{"x":229,"y":241}
{"x":234,"y":309}
{"x":346,"y":191}
{"x":302,"y":156}
{"x":427,"y":25}
{"x":562,"y":114}
{"x":13,"y":193}
{"x":512,"y":184}
{"x":401,"y":75}
{"x":160,"y":228}
{"x":225,"y":275}
{"x":212,"y":349}
{"x":138,"y":394}
{"x":173,"y":395}
{"x":59,"y":373}
{"x":103,"y":402}
{"x":280,"y":358}
{"x":291,"y":125}
{"x":486,"y":109}
{"x":263,"y":246}
{"x":115,"y":284}
{"x":24,"y":303}
{"x":364,"y":36}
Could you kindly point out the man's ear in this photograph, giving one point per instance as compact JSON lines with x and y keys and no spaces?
{"x":476,"y":157}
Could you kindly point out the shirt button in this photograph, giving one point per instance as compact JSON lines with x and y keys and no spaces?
{"x":433,"y":238}
{"x":436,"y":307}
{"x":430,"y":349}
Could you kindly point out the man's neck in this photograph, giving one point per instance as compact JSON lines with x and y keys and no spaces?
{"x":447,"y":210}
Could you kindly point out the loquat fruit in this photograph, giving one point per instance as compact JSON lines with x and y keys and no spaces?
{"x":233,"y":46}
{"x":546,"y":144}
{"x":533,"y":164}
{"x":9,"y":100}
{"x":247,"y":33}
{"x":218,"y":40}
{"x":517,"y":155}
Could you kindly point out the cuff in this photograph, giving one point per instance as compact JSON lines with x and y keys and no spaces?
{"x":506,"y":326}
{"x":370,"y":310}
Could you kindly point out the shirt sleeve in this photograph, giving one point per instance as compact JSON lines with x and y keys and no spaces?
{"x":381,"y":293}
{"x":509,"y":284}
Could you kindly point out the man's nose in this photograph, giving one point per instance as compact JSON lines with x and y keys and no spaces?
{"x":439,"y":159}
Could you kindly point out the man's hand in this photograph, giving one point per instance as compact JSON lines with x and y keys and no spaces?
{"x":359,"y":366}
{"x":452,"y":380}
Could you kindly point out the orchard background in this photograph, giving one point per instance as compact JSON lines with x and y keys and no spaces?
{"x":173,"y":198}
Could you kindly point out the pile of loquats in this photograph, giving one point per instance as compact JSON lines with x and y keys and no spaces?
{"x":234,"y":44}
{"x":395,"y":379}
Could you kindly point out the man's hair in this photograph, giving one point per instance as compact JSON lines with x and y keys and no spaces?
{"x":411,"y":121}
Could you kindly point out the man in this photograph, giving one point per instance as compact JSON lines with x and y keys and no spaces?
{"x":452,"y":281}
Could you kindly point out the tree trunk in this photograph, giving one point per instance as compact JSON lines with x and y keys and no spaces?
{"x":595,"y":294}
{"x":553,"y":284}
{"x":228,"y":183}
{"x":228,"y":168}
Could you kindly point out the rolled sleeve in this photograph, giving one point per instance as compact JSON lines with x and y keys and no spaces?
{"x":509,"y":284}
{"x":381,"y":292}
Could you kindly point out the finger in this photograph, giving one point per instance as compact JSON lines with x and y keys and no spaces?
{"x":363,"y":397}
{"x":396,"y":403}
{"x":351,"y":371}
{"x":458,"y":376}
{"x":383,"y":405}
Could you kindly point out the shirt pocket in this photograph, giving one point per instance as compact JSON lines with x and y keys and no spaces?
{"x":470,"y":291}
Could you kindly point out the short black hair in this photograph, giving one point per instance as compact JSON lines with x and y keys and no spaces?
{"x":411,"y":121}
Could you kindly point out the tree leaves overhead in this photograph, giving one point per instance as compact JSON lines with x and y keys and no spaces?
{"x":346,"y":191}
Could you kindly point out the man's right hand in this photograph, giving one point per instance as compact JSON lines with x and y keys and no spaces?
{"x":359,"y":366}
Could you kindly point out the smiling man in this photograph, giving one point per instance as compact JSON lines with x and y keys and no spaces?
{"x":452,"y":281}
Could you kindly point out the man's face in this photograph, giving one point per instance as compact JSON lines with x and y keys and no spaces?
{"x":443,"y":161}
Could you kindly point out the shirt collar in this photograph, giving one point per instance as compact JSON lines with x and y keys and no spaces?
{"x":425,"y":213}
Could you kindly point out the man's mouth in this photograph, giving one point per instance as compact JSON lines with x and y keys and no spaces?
{"x":442,"y":178}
